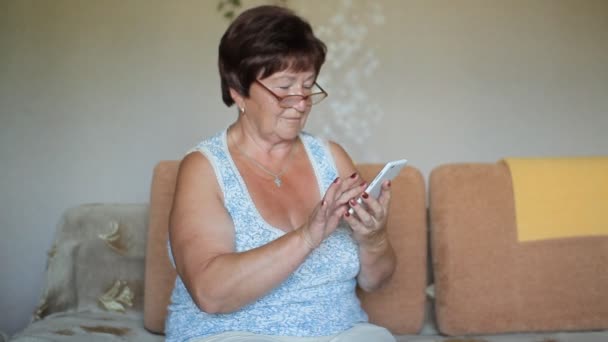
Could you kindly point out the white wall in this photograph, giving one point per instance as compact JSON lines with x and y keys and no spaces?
{"x":94,"y":93}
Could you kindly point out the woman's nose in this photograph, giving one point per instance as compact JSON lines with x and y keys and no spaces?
{"x":301,"y":105}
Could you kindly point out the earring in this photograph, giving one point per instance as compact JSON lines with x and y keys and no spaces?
{"x":242,"y":109}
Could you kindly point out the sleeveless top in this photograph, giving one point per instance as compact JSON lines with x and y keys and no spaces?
{"x":318,"y":299}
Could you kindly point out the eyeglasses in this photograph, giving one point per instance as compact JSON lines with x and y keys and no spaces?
{"x":289,"y":101}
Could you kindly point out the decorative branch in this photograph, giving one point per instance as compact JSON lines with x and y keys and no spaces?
{"x":228,"y":8}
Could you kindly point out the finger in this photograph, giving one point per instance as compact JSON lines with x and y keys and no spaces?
{"x":364,"y":216}
{"x":321,"y":210}
{"x":352,"y":179}
{"x":385,"y":194}
{"x":353,"y":192}
{"x":337,"y":215}
{"x":374,"y":206}
{"x":319,"y":213}
{"x":333,"y":190}
{"x":355,"y":224}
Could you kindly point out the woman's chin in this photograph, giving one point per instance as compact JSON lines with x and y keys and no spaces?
{"x":291,"y":128}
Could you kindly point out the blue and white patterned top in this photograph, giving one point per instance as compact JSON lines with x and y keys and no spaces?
{"x":317,"y":299}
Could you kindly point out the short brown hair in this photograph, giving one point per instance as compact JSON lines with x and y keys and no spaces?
{"x":264,"y":40}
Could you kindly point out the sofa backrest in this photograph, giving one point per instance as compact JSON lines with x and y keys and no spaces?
{"x":399,"y":305}
{"x":487,"y":282}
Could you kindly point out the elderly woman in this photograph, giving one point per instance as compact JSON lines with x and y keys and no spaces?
{"x":261,"y":237}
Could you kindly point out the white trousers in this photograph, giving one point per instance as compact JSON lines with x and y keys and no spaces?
{"x":362,"y":332}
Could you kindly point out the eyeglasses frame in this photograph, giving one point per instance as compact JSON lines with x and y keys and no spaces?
{"x":302,"y":97}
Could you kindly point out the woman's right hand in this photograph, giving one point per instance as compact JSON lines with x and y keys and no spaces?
{"x":328,"y":213}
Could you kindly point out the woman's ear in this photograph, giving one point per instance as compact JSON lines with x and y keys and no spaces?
{"x":238,"y":99}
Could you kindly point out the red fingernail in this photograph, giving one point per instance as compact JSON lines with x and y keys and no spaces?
{"x":365,"y":195}
{"x":322,"y":202}
{"x":336,"y":180}
{"x":353,"y":202}
{"x":347,"y":214}
{"x":353,"y":175}
{"x":363,"y":184}
{"x":389,"y":183}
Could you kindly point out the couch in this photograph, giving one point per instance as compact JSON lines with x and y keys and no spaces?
{"x":461,"y":274}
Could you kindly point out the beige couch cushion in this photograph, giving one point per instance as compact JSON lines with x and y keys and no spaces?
{"x":487,"y":282}
{"x":96,"y":261}
{"x":399,"y":306}
{"x":87,"y":326}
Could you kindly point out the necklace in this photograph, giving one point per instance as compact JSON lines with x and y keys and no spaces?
{"x":277,"y":176}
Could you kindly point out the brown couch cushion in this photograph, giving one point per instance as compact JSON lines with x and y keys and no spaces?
{"x":487,"y":282}
{"x":160,"y":274}
{"x":399,"y":306}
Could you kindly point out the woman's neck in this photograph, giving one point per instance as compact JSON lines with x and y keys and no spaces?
{"x":255,"y":144}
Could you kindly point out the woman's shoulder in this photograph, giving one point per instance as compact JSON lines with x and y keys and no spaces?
{"x":341,"y":158}
{"x":344,"y":162}
{"x":196,"y":171}
{"x":315,"y":142}
{"x":214,"y":149}
{"x":195,"y":164}
{"x":214,"y":141}
{"x":200,"y":161}
{"x":313,"y":138}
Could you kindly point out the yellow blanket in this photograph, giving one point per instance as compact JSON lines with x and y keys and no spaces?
{"x":560,"y":197}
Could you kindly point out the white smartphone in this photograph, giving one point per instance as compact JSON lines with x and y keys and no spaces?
{"x":388,"y":172}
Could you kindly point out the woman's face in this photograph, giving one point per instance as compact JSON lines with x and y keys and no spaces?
{"x":263,"y":109}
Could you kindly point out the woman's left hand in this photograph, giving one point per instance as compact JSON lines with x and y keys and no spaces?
{"x":368,"y":220}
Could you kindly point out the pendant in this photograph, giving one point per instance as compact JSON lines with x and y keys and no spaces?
{"x":277,"y":181}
